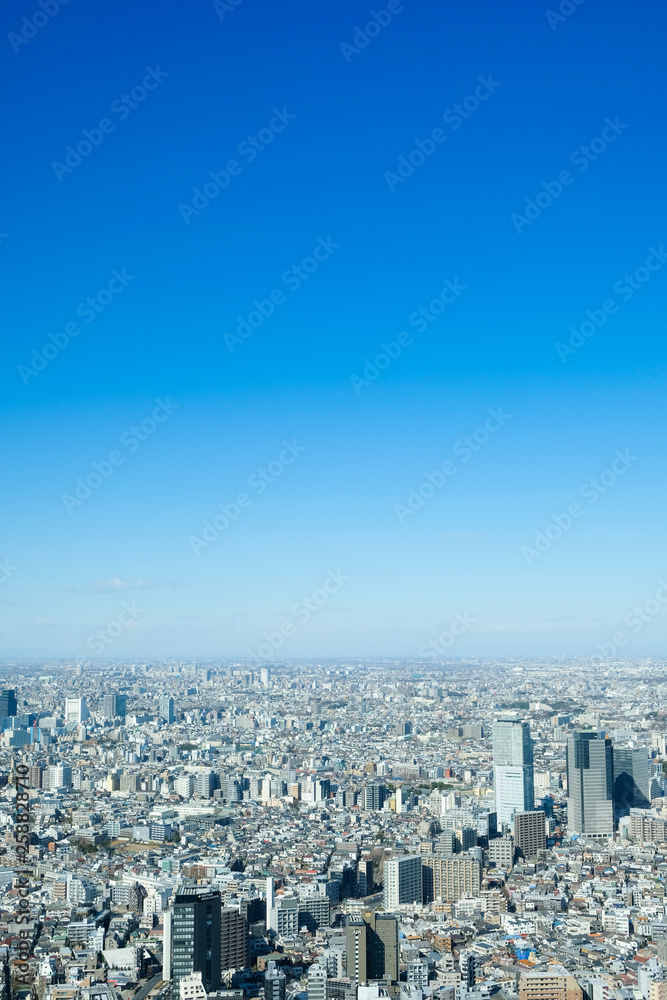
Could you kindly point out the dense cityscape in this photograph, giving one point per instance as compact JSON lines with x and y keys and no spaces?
{"x":334,"y":830}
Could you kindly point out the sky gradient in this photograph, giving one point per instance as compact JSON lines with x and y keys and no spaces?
{"x":297,"y":244}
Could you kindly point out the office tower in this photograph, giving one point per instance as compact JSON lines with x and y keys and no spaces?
{"x":275,"y":983}
{"x":76,"y":710}
{"x":382,"y":954}
{"x":530,"y":835}
{"x":364,"y":877}
{"x":501,"y":852}
{"x":317,"y":982}
{"x":234,"y":939}
{"x":265,"y":676}
{"x":167,"y":709}
{"x":7,"y":703}
{"x":57,"y":776}
{"x":402,"y":881}
{"x":512,"y":768}
{"x":115,"y":706}
{"x":446,"y":880}
{"x":590,"y":785}
{"x":355,"y":949}
{"x":374,"y":796}
{"x":196,"y":938}
{"x":204,"y":784}
{"x":631,"y":780}
{"x":37,"y":775}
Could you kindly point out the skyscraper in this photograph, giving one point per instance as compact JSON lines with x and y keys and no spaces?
{"x":512,"y":768}
{"x":355,"y":949}
{"x":382,"y":953}
{"x":196,"y":938}
{"x":76,"y":710}
{"x":115,"y":706}
{"x":7,"y":703}
{"x":234,"y":938}
{"x":374,"y":796}
{"x":402,"y":881}
{"x":166,"y":710}
{"x":530,"y":833}
{"x":590,"y":785}
{"x":631,"y":780}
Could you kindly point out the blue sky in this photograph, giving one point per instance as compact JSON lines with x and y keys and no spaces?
{"x":169,"y":97}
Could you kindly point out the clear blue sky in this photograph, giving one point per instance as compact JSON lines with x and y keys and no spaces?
{"x":170,"y":95}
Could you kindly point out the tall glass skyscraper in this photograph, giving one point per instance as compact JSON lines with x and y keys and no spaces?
{"x":512,"y":769}
{"x":196,"y":938}
{"x":590,"y":785}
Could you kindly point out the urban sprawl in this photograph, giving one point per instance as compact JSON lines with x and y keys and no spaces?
{"x":349,"y":830}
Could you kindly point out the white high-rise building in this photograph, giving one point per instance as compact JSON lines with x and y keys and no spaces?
{"x":402,"y":881}
{"x":270,"y":905}
{"x":317,"y":982}
{"x":512,"y":769}
{"x":76,"y":710}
